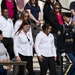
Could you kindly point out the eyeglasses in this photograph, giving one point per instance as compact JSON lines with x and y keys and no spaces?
{"x":57,"y":8}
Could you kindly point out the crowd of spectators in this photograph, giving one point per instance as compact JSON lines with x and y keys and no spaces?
{"x":19,"y":38}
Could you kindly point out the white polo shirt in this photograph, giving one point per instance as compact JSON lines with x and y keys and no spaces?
{"x":44,"y":45}
{"x":22,"y":45}
{"x":6,"y":25}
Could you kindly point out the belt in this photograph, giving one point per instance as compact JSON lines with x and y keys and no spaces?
{"x":7,"y":38}
{"x":69,"y":40}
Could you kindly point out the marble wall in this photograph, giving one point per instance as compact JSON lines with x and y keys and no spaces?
{"x":65,"y":3}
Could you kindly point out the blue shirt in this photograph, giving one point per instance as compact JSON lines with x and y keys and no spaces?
{"x":34,"y":10}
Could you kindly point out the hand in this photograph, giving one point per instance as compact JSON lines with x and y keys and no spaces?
{"x":18,"y":58}
{"x":41,"y":58}
{"x":3,"y":60}
{"x":55,"y":58}
{"x":8,"y":60}
{"x":12,"y":19}
{"x":37,"y":23}
{"x":73,"y":30}
{"x":33,"y":46}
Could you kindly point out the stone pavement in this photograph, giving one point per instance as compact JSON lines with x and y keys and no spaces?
{"x":37,"y":72}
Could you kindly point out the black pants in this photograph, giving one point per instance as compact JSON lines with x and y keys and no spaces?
{"x":8,"y":43}
{"x":48,"y":62}
{"x":29,"y":65}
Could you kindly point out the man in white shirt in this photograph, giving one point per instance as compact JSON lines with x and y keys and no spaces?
{"x":6,"y":26}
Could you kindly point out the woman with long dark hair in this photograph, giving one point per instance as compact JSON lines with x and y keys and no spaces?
{"x":23,"y":47}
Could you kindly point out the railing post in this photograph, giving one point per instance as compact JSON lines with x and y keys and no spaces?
{"x":25,"y":70}
{"x":14,"y":69}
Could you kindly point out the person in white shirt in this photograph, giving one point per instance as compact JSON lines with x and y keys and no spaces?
{"x":4,"y":56}
{"x":24,"y":16}
{"x":6,"y":26}
{"x":23,"y":47}
{"x":46,"y":51}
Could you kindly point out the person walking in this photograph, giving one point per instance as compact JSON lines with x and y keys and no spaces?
{"x":23,"y":47}
{"x":46,"y":51}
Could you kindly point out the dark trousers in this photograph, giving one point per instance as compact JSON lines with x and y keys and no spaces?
{"x":48,"y":62}
{"x":29,"y":65}
{"x":8,"y":43}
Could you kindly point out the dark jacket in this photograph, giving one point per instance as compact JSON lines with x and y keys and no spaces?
{"x":3,"y":5}
{"x":46,"y":11}
{"x":53,"y":21}
{"x":65,"y":41}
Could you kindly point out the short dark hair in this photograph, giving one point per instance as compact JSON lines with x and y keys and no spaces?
{"x":67,"y":14}
{"x":0,"y":32}
{"x":45,"y":26}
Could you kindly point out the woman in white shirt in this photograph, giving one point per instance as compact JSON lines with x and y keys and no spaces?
{"x":46,"y":51}
{"x":24,"y":16}
{"x":23,"y":47}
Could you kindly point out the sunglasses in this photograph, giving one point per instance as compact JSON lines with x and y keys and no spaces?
{"x":26,"y":16}
{"x":28,"y":39}
{"x":57,"y":8}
